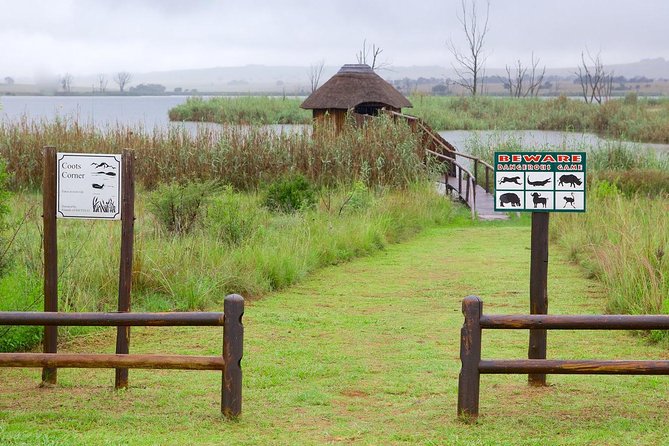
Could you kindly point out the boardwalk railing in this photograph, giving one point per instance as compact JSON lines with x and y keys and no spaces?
{"x":229,"y":363}
{"x":438,"y":144}
{"x":473,"y":366}
{"x":461,"y":172}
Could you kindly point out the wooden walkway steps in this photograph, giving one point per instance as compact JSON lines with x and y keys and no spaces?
{"x":469,"y":178}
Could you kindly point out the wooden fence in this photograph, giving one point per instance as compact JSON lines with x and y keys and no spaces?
{"x":229,"y":363}
{"x":473,"y":366}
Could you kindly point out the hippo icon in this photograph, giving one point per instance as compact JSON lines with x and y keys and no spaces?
{"x":509,"y":198}
{"x":569,"y":179}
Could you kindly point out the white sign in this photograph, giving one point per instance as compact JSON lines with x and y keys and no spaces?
{"x":89,"y":186}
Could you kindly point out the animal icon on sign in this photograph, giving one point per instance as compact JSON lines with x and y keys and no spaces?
{"x":569,"y":179}
{"x":538,"y":199}
{"x":570,"y":201}
{"x":514,"y":180}
{"x":102,"y":165}
{"x":538,"y":183}
{"x":509,"y":198}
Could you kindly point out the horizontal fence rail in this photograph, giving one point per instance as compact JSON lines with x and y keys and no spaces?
{"x":113,"y":319}
{"x":229,"y":363}
{"x":101,"y":361}
{"x":473,"y":366}
{"x":576,"y":322}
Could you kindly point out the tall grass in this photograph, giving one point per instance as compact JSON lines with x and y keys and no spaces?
{"x":623,"y":242}
{"x":379,"y":153}
{"x":242,"y":110}
{"x":644,"y":120}
{"x":197,"y":270}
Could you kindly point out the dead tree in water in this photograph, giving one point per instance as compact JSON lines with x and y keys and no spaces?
{"x":370,"y":57}
{"x":596,"y":82}
{"x":315,"y":72}
{"x":522,"y":84}
{"x":469,"y":65}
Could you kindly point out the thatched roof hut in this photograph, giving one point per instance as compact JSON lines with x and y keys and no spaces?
{"x":355,"y":87}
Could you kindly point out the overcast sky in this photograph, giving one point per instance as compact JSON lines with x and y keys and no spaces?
{"x":104,"y":36}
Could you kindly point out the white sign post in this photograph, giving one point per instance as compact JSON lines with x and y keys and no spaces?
{"x":88,"y":186}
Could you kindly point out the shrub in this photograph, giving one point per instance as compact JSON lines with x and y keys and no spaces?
{"x":178,"y":207}
{"x":231,"y":218}
{"x":290,"y":194}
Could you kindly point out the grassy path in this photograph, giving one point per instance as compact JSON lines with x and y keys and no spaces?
{"x":363,"y":353}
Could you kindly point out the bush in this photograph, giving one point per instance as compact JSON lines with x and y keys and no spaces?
{"x":231,"y":218}
{"x":20,"y":290}
{"x":178,"y":207}
{"x":290,"y":194}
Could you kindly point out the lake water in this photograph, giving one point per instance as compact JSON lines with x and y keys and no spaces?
{"x":151,"y":112}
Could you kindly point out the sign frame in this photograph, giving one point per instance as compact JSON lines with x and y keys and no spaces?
{"x":92,"y":178}
{"x":559,"y":183}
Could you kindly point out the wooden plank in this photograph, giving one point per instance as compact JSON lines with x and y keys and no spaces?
{"x":538,"y":290}
{"x":574,"y":367}
{"x":50,"y":374}
{"x":576,"y":322}
{"x":233,"y":349}
{"x":125,"y":269}
{"x":470,"y":356}
{"x":66,"y":360}
{"x":199,"y":319}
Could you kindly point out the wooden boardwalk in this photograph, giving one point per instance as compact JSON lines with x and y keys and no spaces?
{"x":484,"y":206}
{"x":477,"y":193}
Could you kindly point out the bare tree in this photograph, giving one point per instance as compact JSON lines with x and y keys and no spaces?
{"x":469,"y":64}
{"x":102,"y":83}
{"x":122,"y":78}
{"x":9,"y":80}
{"x":370,"y":56}
{"x":66,"y":82}
{"x":522,"y":84}
{"x":315,"y":71}
{"x":596,"y":82}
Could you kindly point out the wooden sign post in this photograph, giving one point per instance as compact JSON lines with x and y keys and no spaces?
{"x":87,"y":186}
{"x":49,"y":374}
{"x":538,"y":290}
{"x":125,"y":270}
{"x":541,"y":183}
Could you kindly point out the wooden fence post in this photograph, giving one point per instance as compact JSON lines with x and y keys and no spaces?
{"x":538,"y":290}
{"x":233,"y":348}
{"x":125,"y":270}
{"x":50,"y":374}
{"x":470,"y":355}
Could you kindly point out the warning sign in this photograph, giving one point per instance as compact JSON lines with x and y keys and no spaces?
{"x":540,"y":181}
{"x":89,"y":186}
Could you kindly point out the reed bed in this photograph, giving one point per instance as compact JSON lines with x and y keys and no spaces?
{"x":632,"y":119}
{"x":246,"y":110}
{"x":379,"y":153}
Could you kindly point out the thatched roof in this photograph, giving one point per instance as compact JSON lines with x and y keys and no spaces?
{"x":353,"y":85}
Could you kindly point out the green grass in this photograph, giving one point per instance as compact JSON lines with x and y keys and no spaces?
{"x":365,"y":353}
{"x":633,"y":119}
{"x":644,"y":120}
{"x":242,"y":110}
{"x":236,"y":245}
